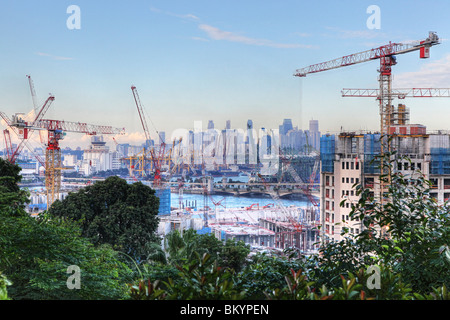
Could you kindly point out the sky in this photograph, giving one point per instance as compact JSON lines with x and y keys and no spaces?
{"x":203,"y":60}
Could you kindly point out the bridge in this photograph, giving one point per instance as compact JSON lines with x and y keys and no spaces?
{"x":240,"y":189}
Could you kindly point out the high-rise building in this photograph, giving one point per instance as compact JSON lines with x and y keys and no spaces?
{"x":350,"y":158}
{"x":98,"y":157}
{"x":286,"y":126}
{"x":314,"y":134}
{"x":162,"y":137}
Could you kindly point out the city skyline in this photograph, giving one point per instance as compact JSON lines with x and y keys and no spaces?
{"x":199,"y":61}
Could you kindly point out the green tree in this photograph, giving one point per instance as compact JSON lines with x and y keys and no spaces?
{"x":233,"y":254}
{"x":36,"y":252}
{"x":116,"y":213}
{"x":185,"y":247}
{"x":12,"y":197}
{"x":409,"y":233}
{"x":264,"y":274}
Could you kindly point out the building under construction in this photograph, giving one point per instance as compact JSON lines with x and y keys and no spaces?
{"x":351,"y":157}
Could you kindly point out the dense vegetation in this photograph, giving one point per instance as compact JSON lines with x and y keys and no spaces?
{"x":95,"y":229}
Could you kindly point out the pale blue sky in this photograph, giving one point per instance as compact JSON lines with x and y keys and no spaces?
{"x":219,"y":60}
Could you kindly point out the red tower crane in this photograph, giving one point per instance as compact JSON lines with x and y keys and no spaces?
{"x":385,"y":93}
{"x":56,"y":130}
{"x":24,"y":132}
{"x":387,"y":56}
{"x":156,"y":159}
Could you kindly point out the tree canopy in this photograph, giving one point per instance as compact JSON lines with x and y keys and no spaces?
{"x":114,"y":212}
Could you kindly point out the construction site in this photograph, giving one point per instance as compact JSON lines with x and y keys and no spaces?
{"x":323,"y":178}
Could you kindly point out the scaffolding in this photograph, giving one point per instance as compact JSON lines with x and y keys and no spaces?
{"x":399,"y":115}
{"x":164,"y":196}
{"x":439,"y":154}
{"x":327,"y":151}
{"x":372,"y":149}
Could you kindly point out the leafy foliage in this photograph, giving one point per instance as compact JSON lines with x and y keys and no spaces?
{"x":36,"y":252}
{"x":114,"y":212}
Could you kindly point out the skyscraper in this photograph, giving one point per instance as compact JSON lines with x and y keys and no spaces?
{"x":314,"y":134}
{"x":286,"y":126}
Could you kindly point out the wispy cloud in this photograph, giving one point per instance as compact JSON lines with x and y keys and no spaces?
{"x":189,"y":16}
{"x":199,"y":39}
{"x":43,"y":54}
{"x":302,"y":34}
{"x":352,"y":34}
{"x":214,"y":33}
{"x":434,"y":74}
{"x":217,"y":34}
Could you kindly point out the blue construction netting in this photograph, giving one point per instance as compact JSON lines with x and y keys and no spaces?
{"x":164,"y":200}
{"x":204,"y":230}
{"x":372,"y":148}
{"x":327,"y":150}
{"x":39,"y":206}
{"x":440,"y":161}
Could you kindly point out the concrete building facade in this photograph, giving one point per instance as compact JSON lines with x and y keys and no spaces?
{"x":350,"y":158}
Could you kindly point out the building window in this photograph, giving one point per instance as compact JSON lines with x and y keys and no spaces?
{"x":352,"y":165}
{"x":346,"y":165}
{"x":343,"y":165}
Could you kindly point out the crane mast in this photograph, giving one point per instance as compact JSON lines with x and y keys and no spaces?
{"x":156,"y":160}
{"x":387,"y":58}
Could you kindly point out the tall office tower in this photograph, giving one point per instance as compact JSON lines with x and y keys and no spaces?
{"x":283,"y":131}
{"x":162,"y":137}
{"x":314,"y":134}
{"x":286,"y":126}
{"x":210,"y":124}
{"x":249,"y":124}
{"x":228,"y":125}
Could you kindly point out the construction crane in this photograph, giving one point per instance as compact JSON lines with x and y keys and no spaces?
{"x":156,"y":159}
{"x":387,"y":56}
{"x":24,"y":129}
{"x":24,"y":134}
{"x":8,"y":145}
{"x":56,"y":130}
